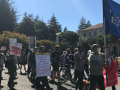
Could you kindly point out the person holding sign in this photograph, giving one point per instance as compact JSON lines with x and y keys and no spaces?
{"x":43,"y":79}
{"x":55,"y":57}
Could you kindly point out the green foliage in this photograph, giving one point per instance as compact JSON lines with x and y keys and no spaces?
{"x":48,"y":44}
{"x":65,"y":29}
{"x":4,"y":38}
{"x":109,"y":39}
{"x":27,"y":25}
{"x":56,"y":25}
{"x":8,"y":18}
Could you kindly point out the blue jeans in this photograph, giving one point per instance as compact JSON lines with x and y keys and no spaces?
{"x":79,"y":75}
{"x":99,"y":79}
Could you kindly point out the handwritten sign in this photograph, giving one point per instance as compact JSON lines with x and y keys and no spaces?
{"x":32,"y":42}
{"x":11,"y":41}
{"x":16,"y":48}
{"x":43,"y":65}
{"x":3,"y":48}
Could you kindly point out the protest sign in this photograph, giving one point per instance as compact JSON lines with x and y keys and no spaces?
{"x":16,"y":48}
{"x":112,"y":74}
{"x":43,"y":64}
{"x":3,"y":48}
{"x":32,"y":42}
{"x":12,"y":40}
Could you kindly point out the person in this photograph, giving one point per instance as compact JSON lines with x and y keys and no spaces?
{"x":68,"y":61}
{"x":79,"y":67}
{"x":32,"y":64}
{"x":11,"y":70}
{"x":43,"y":79}
{"x":22,"y":62}
{"x":63,"y":56}
{"x":55,"y":58}
{"x":110,"y":60}
{"x":96,"y":67}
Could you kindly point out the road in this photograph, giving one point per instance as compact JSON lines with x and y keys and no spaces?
{"x":22,"y":83}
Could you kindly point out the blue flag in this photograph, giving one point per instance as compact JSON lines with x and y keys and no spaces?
{"x":111,"y":13}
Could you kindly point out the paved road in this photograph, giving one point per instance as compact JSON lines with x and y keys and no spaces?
{"x":22,"y":83}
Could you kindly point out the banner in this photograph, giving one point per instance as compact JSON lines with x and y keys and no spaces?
{"x":12,"y":40}
{"x":111,"y":15}
{"x":3,"y":48}
{"x":32,"y":42}
{"x":112,"y":74}
{"x":16,"y":49}
{"x":43,"y":64}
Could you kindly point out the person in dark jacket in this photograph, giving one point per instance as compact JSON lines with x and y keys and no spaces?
{"x":11,"y":69}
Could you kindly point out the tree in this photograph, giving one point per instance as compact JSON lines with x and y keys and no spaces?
{"x":8,"y":17}
{"x":42,"y":31}
{"x":27,"y":25}
{"x":55,"y":24}
{"x":65,"y":29}
{"x":82,"y":24}
{"x":88,"y":24}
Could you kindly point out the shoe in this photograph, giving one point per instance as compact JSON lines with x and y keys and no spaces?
{"x":52,"y":82}
{"x":59,"y":83}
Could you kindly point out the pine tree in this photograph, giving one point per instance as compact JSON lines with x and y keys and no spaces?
{"x":65,"y":29}
{"x":8,"y":17}
{"x":82,"y":24}
{"x":53,"y":22}
{"x":88,"y":24}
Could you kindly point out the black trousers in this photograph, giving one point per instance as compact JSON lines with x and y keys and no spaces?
{"x":79,"y":75}
{"x":44,"y":81}
{"x":11,"y":77}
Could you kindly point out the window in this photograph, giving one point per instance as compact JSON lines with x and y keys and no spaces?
{"x":95,"y":33}
{"x":84,"y":34}
{"x":90,"y":34}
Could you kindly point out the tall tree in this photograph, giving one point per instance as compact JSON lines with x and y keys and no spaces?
{"x":53,"y":21}
{"x":65,"y":29}
{"x":27,"y":25}
{"x":82,"y":24}
{"x":88,"y":24}
{"x":8,"y":17}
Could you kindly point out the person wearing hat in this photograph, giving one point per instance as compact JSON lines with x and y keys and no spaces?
{"x":55,"y":58}
{"x":43,"y":79}
{"x":96,"y":67}
{"x":79,"y":66}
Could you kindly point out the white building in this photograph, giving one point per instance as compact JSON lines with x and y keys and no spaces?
{"x":93,"y":31}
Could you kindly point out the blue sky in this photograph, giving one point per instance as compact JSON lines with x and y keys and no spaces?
{"x":67,"y":12}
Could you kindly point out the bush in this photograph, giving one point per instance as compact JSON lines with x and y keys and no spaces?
{"x":48,"y":44}
{"x":4,"y":39}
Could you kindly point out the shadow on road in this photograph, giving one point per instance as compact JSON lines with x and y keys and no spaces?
{"x":62,"y":88}
{"x":73,"y":86}
{"x":12,"y":89}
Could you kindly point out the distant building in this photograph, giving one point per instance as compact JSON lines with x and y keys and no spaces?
{"x":93,"y":31}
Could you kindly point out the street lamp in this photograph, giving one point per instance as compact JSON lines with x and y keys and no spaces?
{"x":57,"y":37}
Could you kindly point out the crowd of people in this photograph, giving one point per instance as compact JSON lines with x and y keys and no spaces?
{"x":91,"y":63}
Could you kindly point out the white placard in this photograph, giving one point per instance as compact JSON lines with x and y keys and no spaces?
{"x":3,"y":48}
{"x":16,"y":49}
{"x":43,"y":65}
{"x":12,"y":40}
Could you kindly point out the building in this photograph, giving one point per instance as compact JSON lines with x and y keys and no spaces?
{"x":93,"y":31}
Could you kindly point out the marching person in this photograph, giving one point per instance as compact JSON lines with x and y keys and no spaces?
{"x":1,"y":68}
{"x":55,"y":57}
{"x":43,"y":79}
{"x":79,"y":67}
{"x":22,"y":62}
{"x":96,"y":67}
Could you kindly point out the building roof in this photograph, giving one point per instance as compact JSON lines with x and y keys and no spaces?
{"x":100,"y":25}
